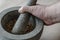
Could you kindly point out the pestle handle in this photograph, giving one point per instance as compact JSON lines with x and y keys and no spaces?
{"x":23,"y":19}
{"x":31,"y":2}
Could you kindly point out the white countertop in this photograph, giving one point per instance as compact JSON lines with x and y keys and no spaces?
{"x":50,"y":32}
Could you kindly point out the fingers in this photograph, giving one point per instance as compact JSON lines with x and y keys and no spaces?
{"x":25,"y":9}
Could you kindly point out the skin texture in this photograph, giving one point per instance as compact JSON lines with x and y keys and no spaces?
{"x":49,"y":14}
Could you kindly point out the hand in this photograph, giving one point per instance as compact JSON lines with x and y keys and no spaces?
{"x":46,"y":13}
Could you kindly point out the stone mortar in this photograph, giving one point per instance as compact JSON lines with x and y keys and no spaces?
{"x":35,"y":34}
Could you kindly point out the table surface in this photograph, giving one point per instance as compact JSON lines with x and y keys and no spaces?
{"x":50,"y":32}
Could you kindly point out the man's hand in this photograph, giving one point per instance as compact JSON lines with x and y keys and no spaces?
{"x":49,"y":14}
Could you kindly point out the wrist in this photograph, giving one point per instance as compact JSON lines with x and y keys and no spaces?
{"x":51,"y":15}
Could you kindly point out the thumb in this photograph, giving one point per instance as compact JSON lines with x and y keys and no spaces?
{"x":25,"y":9}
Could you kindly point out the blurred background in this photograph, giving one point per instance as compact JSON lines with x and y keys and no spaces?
{"x":50,"y":32}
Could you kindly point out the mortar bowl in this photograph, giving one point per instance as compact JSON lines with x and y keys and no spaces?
{"x":11,"y":13}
